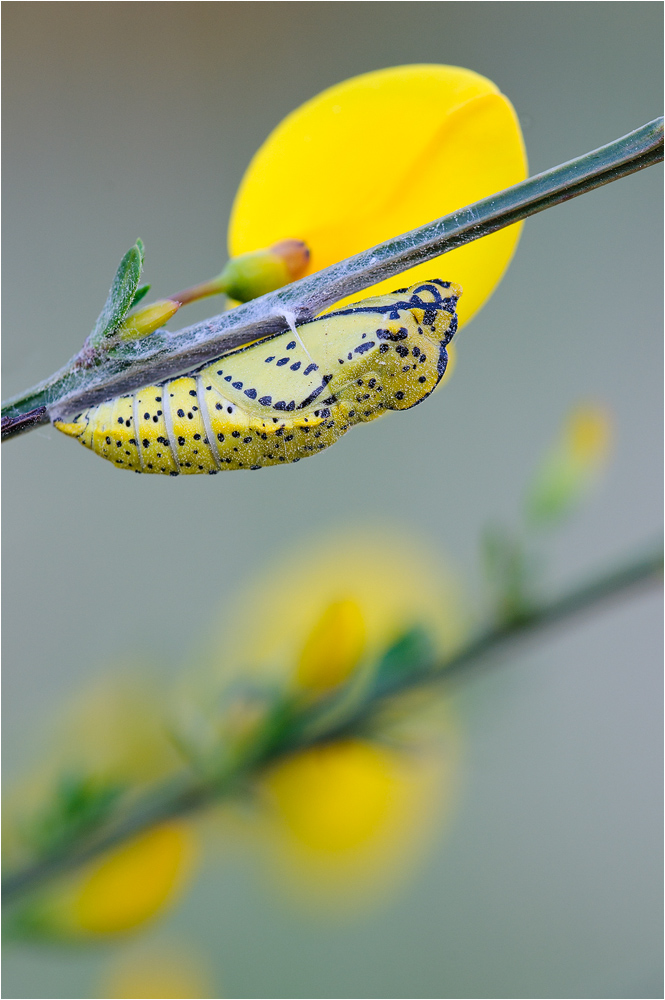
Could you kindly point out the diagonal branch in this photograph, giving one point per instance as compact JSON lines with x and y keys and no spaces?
{"x":134,"y":364}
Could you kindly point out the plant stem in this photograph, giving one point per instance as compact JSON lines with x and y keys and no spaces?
{"x":132,"y":365}
{"x":184,"y":797}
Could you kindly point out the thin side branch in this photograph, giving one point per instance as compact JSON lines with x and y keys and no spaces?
{"x":304,"y":727}
{"x":162,"y":355}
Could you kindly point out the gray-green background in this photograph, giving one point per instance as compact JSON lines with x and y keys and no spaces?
{"x":126,"y":119}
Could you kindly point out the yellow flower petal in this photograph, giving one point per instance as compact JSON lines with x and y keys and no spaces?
{"x":158,"y":972}
{"x":129,"y":886}
{"x":378,"y":155}
{"x":350,"y":816}
{"x":333,"y":648}
{"x":132,"y":884}
{"x":336,"y":796}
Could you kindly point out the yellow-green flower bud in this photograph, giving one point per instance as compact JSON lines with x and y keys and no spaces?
{"x":252,"y":274}
{"x":571,"y":466}
{"x":148,"y":319}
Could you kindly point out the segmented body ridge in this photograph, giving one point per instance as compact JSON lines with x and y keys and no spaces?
{"x":285,"y":398}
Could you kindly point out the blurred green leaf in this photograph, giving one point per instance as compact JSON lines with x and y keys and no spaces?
{"x":510,"y":571}
{"x":27,"y":922}
{"x":79,"y":805}
{"x":410,"y":653}
{"x":555,"y":491}
{"x":570,"y":467}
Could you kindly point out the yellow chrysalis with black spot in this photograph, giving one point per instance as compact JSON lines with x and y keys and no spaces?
{"x":284,"y":398}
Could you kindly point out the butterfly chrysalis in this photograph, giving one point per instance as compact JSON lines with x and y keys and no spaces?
{"x":286,"y":397}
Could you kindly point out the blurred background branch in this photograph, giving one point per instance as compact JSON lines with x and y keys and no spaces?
{"x":291,"y":724}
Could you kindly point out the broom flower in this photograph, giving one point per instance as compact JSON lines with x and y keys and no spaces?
{"x":378,"y":155}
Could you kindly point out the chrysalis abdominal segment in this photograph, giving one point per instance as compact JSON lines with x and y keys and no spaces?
{"x":270,"y":403}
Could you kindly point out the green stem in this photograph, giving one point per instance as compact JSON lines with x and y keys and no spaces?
{"x":215,"y":286}
{"x":303,"y":728}
{"x":131,"y":365}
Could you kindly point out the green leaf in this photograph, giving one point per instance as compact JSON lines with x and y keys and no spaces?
{"x":412,"y":651}
{"x":555,"y":491}
{"x":570,"y":467}
{"x":80,"y":804}
{"x":28,"y":922}
{"x":140,"y":294}
{"x":510,"y":571}
{"x":122,"y":294}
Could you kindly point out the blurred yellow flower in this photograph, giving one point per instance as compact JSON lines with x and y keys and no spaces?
{"x":588,"y":434}
{"x":374,"y":157}
{"x":116,"y":729}
{"x":347,"y":819}
{"x":337,"y":603}
{"x":135,"y":882}
{"x":110,"y":736}
{"x":127,"y":888}
{"x":572,"y":465}
{"x":335,"y":796}
{"x":158,"y":972}
{"x":334,"y":647}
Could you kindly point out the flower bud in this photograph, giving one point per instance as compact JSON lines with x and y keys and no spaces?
{"x":588,"y":434}
{"x":148,"y":319}
{"x":571,"y":466}
{"x":252,"y":274}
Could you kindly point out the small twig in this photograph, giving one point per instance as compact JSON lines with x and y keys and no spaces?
{"x":131,"y":365}
{"x":178,"y":800}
